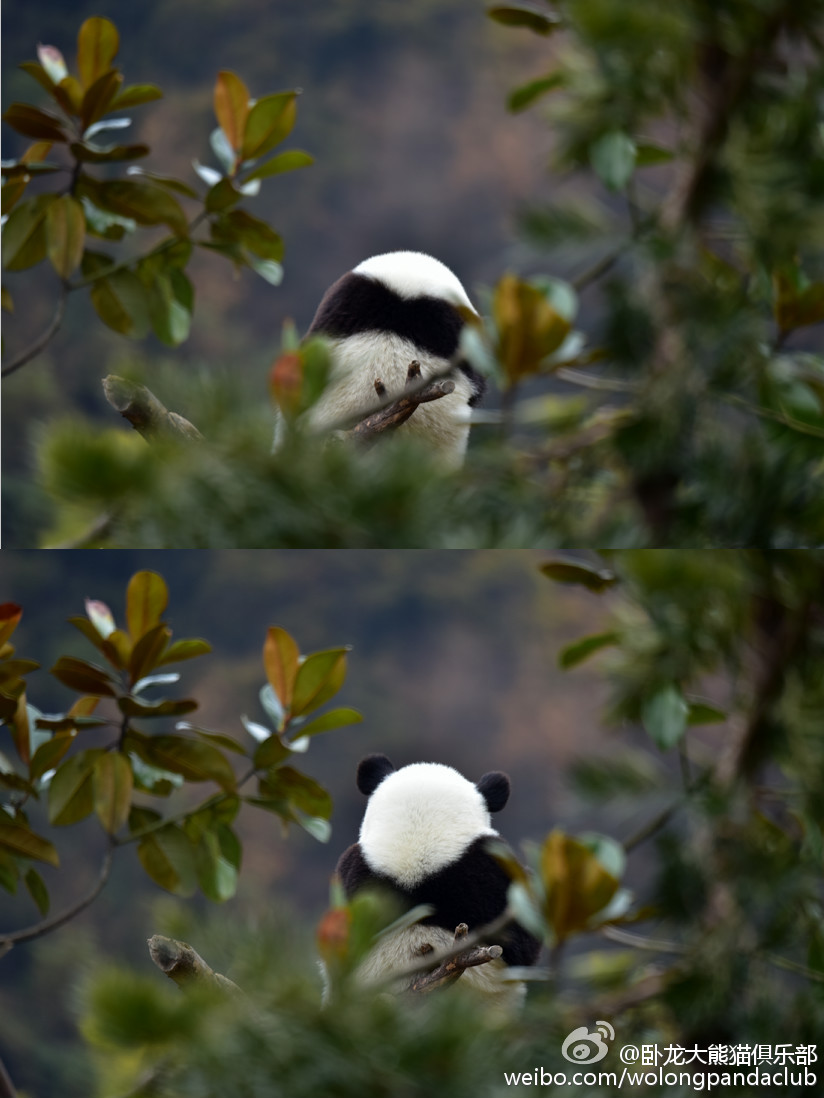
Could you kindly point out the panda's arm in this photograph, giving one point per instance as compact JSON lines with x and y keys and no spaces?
{"x":353,"y":870}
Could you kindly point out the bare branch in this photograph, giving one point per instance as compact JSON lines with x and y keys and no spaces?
{"x":34,"y":349}
{"x":401,"y":408}
{"x":451,"y":969}
{"x":145,"y":412}
{"x":46,"y":925}
{"x":184,"y":965}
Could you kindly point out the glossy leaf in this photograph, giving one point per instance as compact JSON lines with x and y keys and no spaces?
{"x":65,"y":234}
{"x":142,"y":202}
{"x":525,"y":96}
{"x":37,"y":890}
{"x":647,"y":154}
{"x":613,"y":159}
{"x":299,"y":789}
{"x":578,"y":651}
{"x":53,"y":63}
{"x":231,"y":102}
{"x":222,"y":196}
{"x":152,"y":779}
{"x":21,"y":840}
{"x":146,"y":598}
{"x":38,"y":73}
{"x":10,"y":615}
{"x":270,"y":753}
{"x":164,"y":181}
{"x":335,"y":718}
{"x":98,"y":99}
{"x":171,"y":707}
{"x":167,"y":856}
{"x":270,"y":121}
{"x":664,"y":716}
{"x":108,"y":155}
{"x":112,"y":789}
{"x":48,"y":754}
{"x":195,"y":761}
{"x":530,"y":16}
{"x":319,"y":678}
{"x":24,"y":234}
{"x":97,"y":45}
{"x":576,"y":884}
{"x":135,"y":95}
{"x":216,"y":876}
{"x":83,"y":676}
{"x":110,"y":307}
{"x":217,"y":738}
{"x":283,"y":162}
{"x":148,"y":650}
{"x":529,"y":327}
{"x":185,"y":650}
{"x":33,"y":122}
{"x":268,"y":269}
{"x":280,"y":661}
{"x":704,"y":712}
{"x":71,"y":797}
{"x":594,"y":579}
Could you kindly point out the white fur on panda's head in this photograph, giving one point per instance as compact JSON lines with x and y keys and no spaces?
{"x":423,"y":817}
{"x":415,"y":274}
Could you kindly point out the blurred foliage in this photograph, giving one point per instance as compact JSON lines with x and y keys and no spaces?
{"x":120,"y":777}
{"x":692,"y":138}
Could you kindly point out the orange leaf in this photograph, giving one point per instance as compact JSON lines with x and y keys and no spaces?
{"x":231,"y":107}
{"x":280,"y":659}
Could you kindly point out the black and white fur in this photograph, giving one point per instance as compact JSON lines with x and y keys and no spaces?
{"x":423,"y":837}
{"x":389,"y":310}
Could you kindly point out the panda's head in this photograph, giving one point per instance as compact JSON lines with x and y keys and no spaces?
{"x":423,"y":817}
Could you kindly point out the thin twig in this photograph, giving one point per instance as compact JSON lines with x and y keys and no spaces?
{"x":638,"y":941}
{"x":591,"y":274}
{"x":46,"y":925}
{"x":417,"y":392}
{"x":44,"y":339}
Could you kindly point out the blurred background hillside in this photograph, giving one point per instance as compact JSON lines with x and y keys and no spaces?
{"x":404,"y":110}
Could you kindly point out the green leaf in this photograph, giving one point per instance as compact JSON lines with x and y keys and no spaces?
{"x":647,"y":154}
{"x":525,"y":15}
{"x":270,"y":753}
{"x":576,"y":652}
{"x":151,"y":779}
{"x":24,"y":234}
{"x":37,"y":72}
{"x":84,"y":677}
{"x":335,"y":718}
{"x":33,"y":122}
{"x":195,"y":761}
{"x":268,"y":269}
{"x":222,"y":196}
{"x":112,"y":785}
{"x":135,"y":95}
{"x":185,"y":650}
{"x":48,"y":754}
{"x":216,"y":876}
{"x":526,"y":94}
{"x":231,"y":102}
{"x":612,"y":157}
{"x":239,"y":226}
{"x":146,"y":598}
{"x":97,"y":45}
{"x":319,"y":678}
{"x":168,"y":858}
{"x":90,"y":154}
{"x":142,"y":202}
{"x":71,"y":797}
{"x":65,"y":234}
{"x":148,"y":650}
{"x":594,"y":579}
{"x":280,"y":661}
{"x":37,"y":890}
{"x":99,"y":97}
{"x":111,"y":306}
{"x":664,"y":716}
{"x":217,"y":738}
{"x":270,"y":121}
{"x":299,"y":790}
{"x":172,"y":707}
{"x":704,"y":712}
{"x":315,"y":826}
{"x":21,"y":840}
{"x":283,"y":162}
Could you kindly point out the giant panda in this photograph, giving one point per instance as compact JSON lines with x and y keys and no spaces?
{"x":423,"y":838}
{"x":378,"y":318}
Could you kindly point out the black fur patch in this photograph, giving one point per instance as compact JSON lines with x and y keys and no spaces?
{"x":356,"y":304}
{"x":494,"y":787}
{"x":471,"y":890}
{"x":371,"y":771}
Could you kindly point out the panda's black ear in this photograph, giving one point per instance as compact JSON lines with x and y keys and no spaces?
{"x":494,"y":788}
{"x":371,"y":772}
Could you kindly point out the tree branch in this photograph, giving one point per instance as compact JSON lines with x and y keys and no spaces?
{"x":401,"y":409}
{"x":46,"y":925}
{"x":44,"y":339}
{"x":448,"y":971}
{"x":145,"y":412}
{"x":185,"y":966}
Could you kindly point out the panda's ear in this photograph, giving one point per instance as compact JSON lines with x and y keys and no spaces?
{"x":371,"y":772}
{"x":494,"y":788}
